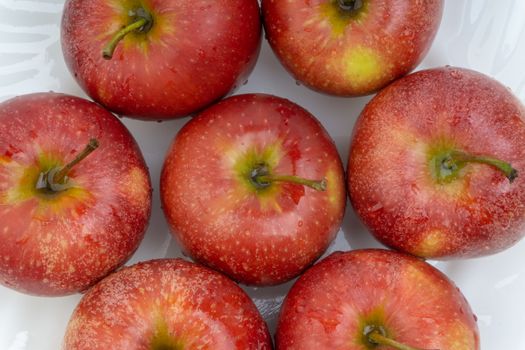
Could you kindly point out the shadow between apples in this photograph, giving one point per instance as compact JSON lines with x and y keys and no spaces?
{"x":155,"y":139}
{"x":269,"y":301}
{"x":356,"y":233}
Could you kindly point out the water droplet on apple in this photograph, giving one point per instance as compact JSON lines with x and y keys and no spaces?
{"x":300,"y":223}
{"x":375,"y":207}
{"x":9,"y":284}
{"x":455,"y":74}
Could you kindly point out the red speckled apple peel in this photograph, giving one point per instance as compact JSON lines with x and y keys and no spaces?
{"x":348,"y":300}
{"x":58,"y":243}
{"x":350,"y":48}
{"x":160,"y":59}
{"x":213,"y":202}
{"x":166,"y":304}
{"x":433,"y":165}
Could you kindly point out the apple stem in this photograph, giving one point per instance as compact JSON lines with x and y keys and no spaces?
{"x":261,"y":178}
{"x":143,"y":22}
{"x":376,"y":337}
{"x":55,"y":180}
{"x":59,"y":176}
{"x":318,"y":185}
{"x":457,"y":159}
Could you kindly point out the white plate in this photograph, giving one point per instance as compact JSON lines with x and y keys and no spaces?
{"x":488,"y":36}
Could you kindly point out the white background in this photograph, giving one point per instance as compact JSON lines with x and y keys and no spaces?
{"x":488,"y":36}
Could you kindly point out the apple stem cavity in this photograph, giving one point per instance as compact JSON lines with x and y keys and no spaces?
{"x":261,"y":178}
{"x":377,"y":337}
{"x":55,"y":180}
{"x":350,"y":5}
{"x":142,"y":23}
{"x":447,"y":166}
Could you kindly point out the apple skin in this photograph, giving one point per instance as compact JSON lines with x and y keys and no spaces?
{"x":158,"y":303}
{"x":332,"y":303}
{"x":62,"y":243}
{"x":350,"y":54}
{"x":390,"y":179}
{"x":195,"y":53}
{"x":256,"y":237}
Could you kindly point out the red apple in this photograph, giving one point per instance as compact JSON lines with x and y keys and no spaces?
{"x":350,"y":47}
{"x":160,"y":59}
{"x":254,"y":187}
{"x":375,"y":299}
{"x":430,"y":171}
{"x":166,"y":304}
{"x":64,"y":226}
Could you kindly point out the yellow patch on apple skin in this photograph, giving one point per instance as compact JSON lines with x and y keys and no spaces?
{"x":417,"y":279}
{"x":24,"y":178}
{"x":375,"y":318}
{"x":136,"y":186}
{"x":333,"y":188}
{"x":103,"y":93}
{"x":266,"y":197}
{"x":163,"y":339}
{"x":421,"y":152}
{"x":338,"y":19}
{"x":362,"y":66}
{"x":66,"y":200}
{"x":162,"y":25}
{"x":432,"y":243}
{"x":241,"y":161}
{"x":405,"y":137}
{"x":4,"y":160}
{"x":456,"y":187}
{"x":269,"y":202}
{"x":460,"y":337}
{"x":244,"y":161}
{"x":456,"y":190}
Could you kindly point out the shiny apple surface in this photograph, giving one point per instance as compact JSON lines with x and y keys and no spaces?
{"x":486,"y":36}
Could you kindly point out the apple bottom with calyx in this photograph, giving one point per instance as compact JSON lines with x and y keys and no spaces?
{"x":435,"y":165}
{"x":166,"y":305}
{"x":254,"y":187}
{"x":75,"y":194}
{"x":375,"y":299}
